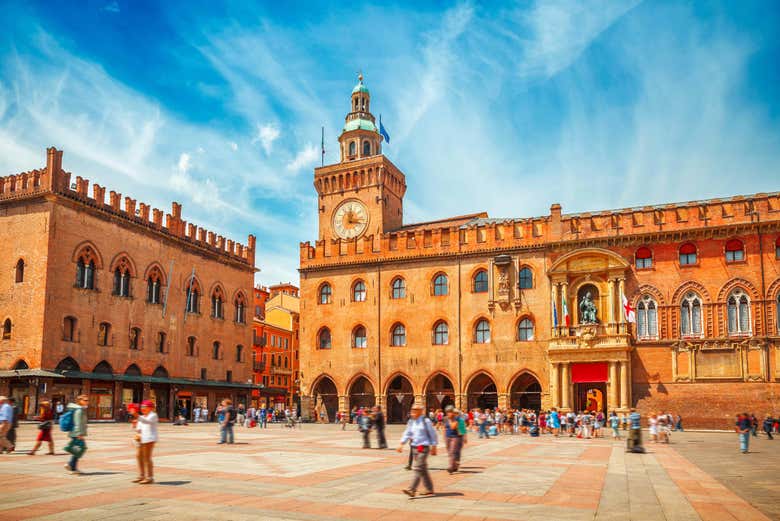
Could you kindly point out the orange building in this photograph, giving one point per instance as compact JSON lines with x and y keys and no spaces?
{"x":115,"y":301}
{"x":529,"y":312}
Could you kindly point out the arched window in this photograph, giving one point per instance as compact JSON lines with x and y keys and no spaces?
{"x":192,"y":304}
{"x":441,"y":333}
{"x":647,"y":318}
{"x":85,"y":268}
{"x":525,"y":330}
{"x":19,"y":271}
{"x":398,"y":288}
{"x":217,"y":303}
{"x":359,"y":338}
{"x":644,"y":258}
{"x":122,"y":275}
{"x":440,"y":285}
{"x":687,"y":254}
{"x":352,"y":148}
{"x":323,"y":339}
{"x":239,"y":353}
{"x":161,"y":345}
{"x":735,"y":251}
{"x":191,"y":340}
{"x":68,"y":329}
{"x":359,"y":291}
{"x":7,"y":329}
{"x":738,"y":310}
{"x":366,"y":148}
{"x":216,"y":351}
{"x":482,"y":332}
{"x":526,"y":278}
{"x":480,"y":282}
{"x":777,"y":312}
{"x":154,"y":286}
{"x":135,"y":338}
{"x":104,"y":334}
{"x":325,"y":294}
{"x":239,"y":306}
{"x":286,"y":362}
{"x":398,"y":335}
{"x":690,"y":315}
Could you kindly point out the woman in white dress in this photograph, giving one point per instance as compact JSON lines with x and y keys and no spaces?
{"x":146,"y":426}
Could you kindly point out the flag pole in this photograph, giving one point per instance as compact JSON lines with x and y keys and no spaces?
{"x":322,"y":144}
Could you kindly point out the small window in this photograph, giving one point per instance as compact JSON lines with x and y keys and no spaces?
{"x":644,"y":258}
{"x":526,"y":278}
{"x":19,"y":271}
{"x":441,"y":333}
{"x":229,"y":376}
{"x":203,"y":374}
{"x":104,"y":334}
{"x":687,"y":254}
{"x":440,"y":285}
{"x":359,"y":338}
{"x":216,"y":351}
{"x":359,"y":291}
{"x":68,"y":329}
{"x":480,"y":284}
{"x":7,"y":326}
{"x":239,"y":353}
{"x":398,"y":336}
{"x":482,"y":332}
{"x":525,"y":330}
{"x":398,"y":288}
{"x":161,"y":337}
{"x":738,"y":313}
{"x":191,"y":346}
{"x":366,"y":148}
{"x":323,"y":339}
{"x":135,"y":338}
{"x":352,"y":148}
{"x":325,"y":294}
{"x":735,"y":251}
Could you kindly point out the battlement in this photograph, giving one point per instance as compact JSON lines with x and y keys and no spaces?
{"x":53,"y":179}
{"x":480,"y":233}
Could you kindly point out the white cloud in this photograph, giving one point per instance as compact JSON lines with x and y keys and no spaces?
{"x":233,"y":146}
{"x":111,"y":7}
{"x":185,"y":162}
{"x":266,"y":135}
{"x":306,"y":157}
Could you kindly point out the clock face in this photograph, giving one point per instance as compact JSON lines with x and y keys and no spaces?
{"x":350,"y":219}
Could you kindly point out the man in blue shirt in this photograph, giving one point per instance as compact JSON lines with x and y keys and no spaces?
{"x":743,"y":428}
{"x":422,"y":436}
{"x":6,"y":422}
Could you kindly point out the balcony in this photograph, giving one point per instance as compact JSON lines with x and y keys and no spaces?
{"x":279,"y":370}
{"x":258,"y":367}
{"x":591,"y":336}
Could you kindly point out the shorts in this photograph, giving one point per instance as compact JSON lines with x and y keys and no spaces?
{"x":44,"y":435}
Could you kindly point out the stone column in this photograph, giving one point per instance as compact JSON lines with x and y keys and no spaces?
{"x":612,"y":403}
{"x":503,"y":400}
{"x":565,"y":387}
{"x":624,"y":383}
{"x":343,"y":403}
{"x":555,"y":386}
{"x":610,"y":301}
{"x":622,"y":284}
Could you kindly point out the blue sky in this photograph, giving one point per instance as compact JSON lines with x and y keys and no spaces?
{"x":499,"y":107}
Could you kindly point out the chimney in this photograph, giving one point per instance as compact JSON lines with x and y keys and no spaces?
{"x":555,"y":222}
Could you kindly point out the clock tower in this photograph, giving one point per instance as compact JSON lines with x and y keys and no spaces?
{"x":363,"y":193}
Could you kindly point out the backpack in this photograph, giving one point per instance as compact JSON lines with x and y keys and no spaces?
{"x":67,"y":422}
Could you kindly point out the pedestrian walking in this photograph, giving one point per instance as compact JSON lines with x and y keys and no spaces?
{"x":6,"y":420}
{"x":635,"y":432}
{"x":554,"y":421}
{"x":767,"y":425}
{"x":145,"y":425}
{"x":379,"y":423}
{"x":455,"y":432}
{"x":743,"y":426}
{"x":614,"y":423}
{"x":227,"y":422}
{"x":421,"y":434}
{"x":45,"y":419}
{"x":74,"y":422}
{"x":364,"y":425}
{"x":14,"y":421}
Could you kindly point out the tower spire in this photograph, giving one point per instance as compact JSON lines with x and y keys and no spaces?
{"x":360,"y":137}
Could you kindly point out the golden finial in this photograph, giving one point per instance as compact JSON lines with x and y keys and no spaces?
{"x":360,"y":76}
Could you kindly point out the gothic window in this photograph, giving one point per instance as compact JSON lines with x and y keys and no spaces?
{"x":690,"y":315}
{"x":366,"y":148}
{"x":441,"y":333}
{"x":135,"y":338}
{"x":525,"y":330}
{"x":735,"y":251}
{"x":323,"y":339}
{"x":240,"y":309}
{"x":482,"y":332}
{"x":359,"y":291}
{"x":359,"y":338}
{"x":398,"y":288}
{"x":440,"y":285}
{"x":646,"y":318}
{"x":738,"y":311}
{"x":526,"y":278}
{"x":325,"y":294}
{"x":19,"y":271}
{"x":644,"y":258}
{"x":68,"y":329}
{"x":352,"y":148}
{"x":104,"y":334}
{"x":239,"y":353}
{"x":154,"y":286}
{"x":161,"y":342}
{"x":122,"y":275}
{"x":216,"y":351}
{"x":85,"y":269}
{"x":192,"y":304}
{"x":191,"y":346}
{"x":7,"y":329}
{"x":217,"y":303}
{"x":398,"y":336}
{"x":480,"y":282}
{"x":687,"y":254}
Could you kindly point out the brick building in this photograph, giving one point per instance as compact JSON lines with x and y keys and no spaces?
{"x":528,"y":312}
{"x":275,"y":346}
{"x":113,"y":300}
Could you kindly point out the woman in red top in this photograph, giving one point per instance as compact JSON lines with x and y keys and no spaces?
{"x":44,"y":428}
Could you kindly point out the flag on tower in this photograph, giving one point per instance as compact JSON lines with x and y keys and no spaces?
{"x":565,"y":309}
{"x":628,"y":310}
{"x":382,"y":130}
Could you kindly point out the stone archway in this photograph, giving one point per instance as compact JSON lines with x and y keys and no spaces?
{"x":400,"y":396}
{"x":439,"y":393}
{"x":482,"y":392}
{"x":361,"y":393}
{"x":526,"y":393}
{"x":326,"y":400}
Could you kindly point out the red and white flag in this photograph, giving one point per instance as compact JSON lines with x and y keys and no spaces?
{"x":629,"y":312}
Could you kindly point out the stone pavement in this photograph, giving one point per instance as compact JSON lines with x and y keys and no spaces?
{"x":320,"y":473}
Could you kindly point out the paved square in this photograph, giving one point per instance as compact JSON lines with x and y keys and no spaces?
{"x":320,"y":473}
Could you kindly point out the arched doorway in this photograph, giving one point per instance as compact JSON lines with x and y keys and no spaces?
{"x":160,"y":392}
{"x":132,"y":387}
{"x":482,"y":392}
{"x":400,"y":397}
{"x":20,"y":365}
{"x":326,"y":400}
{"x":361,"y":393}
{"x":101,"y":393}
{"x":439,"y":393}
{"x":525,"y":393}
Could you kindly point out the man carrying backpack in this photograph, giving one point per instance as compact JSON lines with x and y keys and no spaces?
{"x":74,"y":422}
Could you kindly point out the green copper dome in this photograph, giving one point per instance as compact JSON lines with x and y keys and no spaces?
{"x":360,"y":87}
{"x":362,"y":124}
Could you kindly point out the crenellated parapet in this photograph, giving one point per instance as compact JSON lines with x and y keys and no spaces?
{"x":54,"y":180}
{"x":478,"y":233}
